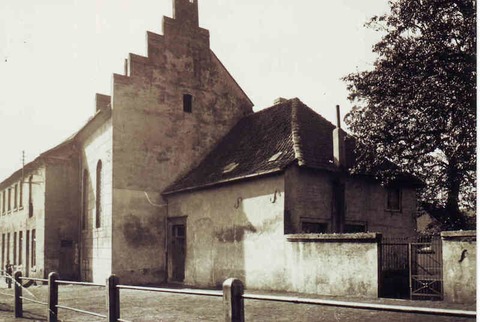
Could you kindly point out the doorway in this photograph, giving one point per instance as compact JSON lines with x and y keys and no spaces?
{"x":177,"y":232}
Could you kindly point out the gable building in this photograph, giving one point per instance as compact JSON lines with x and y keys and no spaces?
{"x":175,"y":179}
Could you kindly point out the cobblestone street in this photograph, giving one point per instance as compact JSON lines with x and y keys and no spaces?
{"x":146,"y":306}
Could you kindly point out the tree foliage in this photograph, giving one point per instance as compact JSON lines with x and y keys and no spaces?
{"x":417,"y":107}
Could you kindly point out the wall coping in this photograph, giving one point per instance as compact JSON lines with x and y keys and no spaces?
{"x":343,"y":238}
{"x":459,"y":234}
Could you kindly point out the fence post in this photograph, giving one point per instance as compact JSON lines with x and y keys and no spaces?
{"x":52,"y":313}
{"x":233,"y":300}
{"x":113,"y":299}
{"x":18,"y":294}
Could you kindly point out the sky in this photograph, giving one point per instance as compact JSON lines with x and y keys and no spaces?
{"x":56,"y":54}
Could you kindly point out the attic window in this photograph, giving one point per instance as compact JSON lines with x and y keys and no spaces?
{"x":394,"y":199}
{"x":275,"y":156}
{"x":230,"y":167}
{"x":187,"y":103}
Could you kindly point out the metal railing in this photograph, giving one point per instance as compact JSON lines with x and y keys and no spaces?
{"x":232,"y":294}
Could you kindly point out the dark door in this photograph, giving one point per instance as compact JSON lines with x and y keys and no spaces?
{"x":177,"y":249}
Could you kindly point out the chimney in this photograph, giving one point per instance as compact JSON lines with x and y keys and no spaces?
{"x":339,"y":143}
{"x":102,"y":102}
{"x":186,"y":11}
{"x":279,"y":100}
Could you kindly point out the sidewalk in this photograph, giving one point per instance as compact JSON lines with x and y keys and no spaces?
{"x":147,"y":306}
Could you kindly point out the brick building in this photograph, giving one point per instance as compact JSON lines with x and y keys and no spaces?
{"x":175,"y":174}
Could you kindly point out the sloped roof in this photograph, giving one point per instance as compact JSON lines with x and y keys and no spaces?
{"x":267,"y":142}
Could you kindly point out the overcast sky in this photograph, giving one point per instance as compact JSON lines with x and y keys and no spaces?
{"x":56,"y":54}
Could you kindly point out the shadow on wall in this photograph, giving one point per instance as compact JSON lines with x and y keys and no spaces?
{"x":218,"y":248}
{"x":86,"y":222}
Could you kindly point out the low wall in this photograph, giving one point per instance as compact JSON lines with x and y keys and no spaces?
{"x":459,"y":266}
{"x":334,"y":264}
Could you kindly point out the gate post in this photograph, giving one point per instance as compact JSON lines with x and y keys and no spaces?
{"x":52,"y":314}
{"x":113,"y":299}
{"x":233,"y":300}
{"x":18,"y":294}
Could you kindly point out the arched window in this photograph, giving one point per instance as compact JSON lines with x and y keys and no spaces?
{"x":98,"y":211}
{"x":30,"y":196}
{"x":84,"y":199}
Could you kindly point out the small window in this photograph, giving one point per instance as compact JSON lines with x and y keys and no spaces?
{"x":394,"y":199}
{"x":314,"y":227}
{"x":187,"y":103}
{"x":355,"y":228}
{"x":230,"y":167}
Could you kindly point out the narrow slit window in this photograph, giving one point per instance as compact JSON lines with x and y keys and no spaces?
{"x":187,"y":103}
{"x":98,"y":207}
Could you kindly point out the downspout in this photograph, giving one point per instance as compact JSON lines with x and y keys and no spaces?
{"x":338,"y":213}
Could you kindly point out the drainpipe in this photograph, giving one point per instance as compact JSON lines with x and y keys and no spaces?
{"x":338,"y":213}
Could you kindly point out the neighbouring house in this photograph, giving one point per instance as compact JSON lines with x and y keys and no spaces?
{"x":39,"y":205}
{"x":175,"y":179}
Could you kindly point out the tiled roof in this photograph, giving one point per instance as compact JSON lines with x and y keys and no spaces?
{"x":266,"y":142}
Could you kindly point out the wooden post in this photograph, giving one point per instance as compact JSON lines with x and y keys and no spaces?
{"x":18,"y":294}
{"x":52,"y":313}
{"x":233,"y":300}
{"x":113,"y":299}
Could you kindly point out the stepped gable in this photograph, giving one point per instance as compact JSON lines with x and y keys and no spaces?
{"x":266,"y":142}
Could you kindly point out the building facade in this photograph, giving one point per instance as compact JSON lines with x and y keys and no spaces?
{"x":175,"y":179}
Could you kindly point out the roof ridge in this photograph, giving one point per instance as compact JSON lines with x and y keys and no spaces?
{"x":296,"y":133}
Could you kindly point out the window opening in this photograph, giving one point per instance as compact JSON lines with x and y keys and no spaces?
{"x":313,"y":227}
{"x":3,"y":252}
{"x":98,"y":207}
{"x":20,"y":195}
{"x":9,"y":199}
{"x":30,"y":196}
{"x":20,"y":247}
{"x":15,"y":248}
{"x":187,"y":103}
{"x":394,"y":199}
{"x":8,"y":248}
{"x":355,"y":228}
{"x":34,"y":248}
{"x":15,"y":196}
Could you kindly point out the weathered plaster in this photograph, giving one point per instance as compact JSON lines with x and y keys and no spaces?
{"x":459,"y":251}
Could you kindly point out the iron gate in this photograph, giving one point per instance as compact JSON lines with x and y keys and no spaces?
{"x":426,"y":278}
{"x":411,"y":267}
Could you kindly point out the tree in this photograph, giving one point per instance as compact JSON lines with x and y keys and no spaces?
{"x":417,"y":107}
